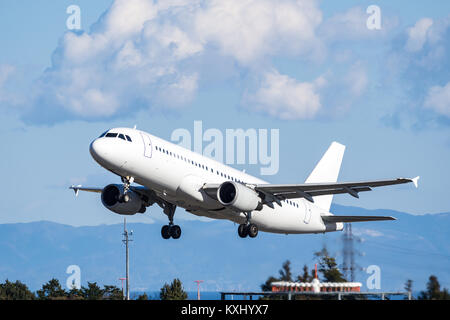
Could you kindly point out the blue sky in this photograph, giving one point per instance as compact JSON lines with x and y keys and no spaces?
{"x":311,"y":69}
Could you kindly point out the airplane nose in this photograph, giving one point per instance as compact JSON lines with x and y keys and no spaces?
{"x":98,"y":150}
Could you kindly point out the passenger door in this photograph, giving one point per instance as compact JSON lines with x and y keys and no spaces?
{"x":307,"y":212}
{"x":147,"y":145}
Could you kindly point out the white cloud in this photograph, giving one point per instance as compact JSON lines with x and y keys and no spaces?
{"x":126,"y":18}
{"x":356,"y":80}
{"x":367,"y":232}
{"x":132,"y":54}
{"x":438,"y":99}
{"x":140,"y":50}
{"x":418,"y":63}
{"x":181,"y":90}
{"x":6,"y":73}
{"x":150,"y":53}
{"x":284,"y":97}
{"x":251,"y":29}
{"x":418,"y":34}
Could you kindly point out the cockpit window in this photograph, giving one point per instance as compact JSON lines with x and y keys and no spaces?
{"x":116,"y":135}
{"x":103,"y":134}
{"x":111,"y":135}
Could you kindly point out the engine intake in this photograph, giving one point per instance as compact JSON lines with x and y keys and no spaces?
{"x":111,"y":196}
{"x":238,"y":197}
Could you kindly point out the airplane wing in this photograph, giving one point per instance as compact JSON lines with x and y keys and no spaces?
{"x":310,"y":190}
{"x":139,"y":189}
{"x":333,"y":218}
{"x":76,"y":189}
{"x":278,"y":192}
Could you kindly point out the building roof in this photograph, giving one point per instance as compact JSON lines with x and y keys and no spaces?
{"x":321,"y":284}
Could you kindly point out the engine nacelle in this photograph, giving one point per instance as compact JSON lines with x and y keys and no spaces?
{"x":238,"y":197}
{"x":110,"y":199}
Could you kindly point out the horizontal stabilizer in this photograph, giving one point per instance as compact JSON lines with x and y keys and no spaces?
{"x":355,"y":218}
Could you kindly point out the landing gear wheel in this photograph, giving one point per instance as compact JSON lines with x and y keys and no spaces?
{"x":171,"y":230}
{"x":242,"y":231}
{"x":175,"y":232}
{"x":252,"y":230}
{"x":165,"y":232}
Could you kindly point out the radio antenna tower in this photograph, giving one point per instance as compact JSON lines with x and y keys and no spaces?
{"x":349,"y":265}
{"x":348,"y":253}
{"x":126,"y":239}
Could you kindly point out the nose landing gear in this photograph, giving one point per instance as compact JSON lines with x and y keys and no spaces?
{"x":125,"y":197}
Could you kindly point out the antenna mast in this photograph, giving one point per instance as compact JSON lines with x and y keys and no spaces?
{"x":349,"y":265}
{"x":126,"y":239}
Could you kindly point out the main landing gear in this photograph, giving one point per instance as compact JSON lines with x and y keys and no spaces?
{"x":171,"y":230}
{"x":248,"y":229}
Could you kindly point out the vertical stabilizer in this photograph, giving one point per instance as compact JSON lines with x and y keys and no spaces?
{"x":327,"y":170}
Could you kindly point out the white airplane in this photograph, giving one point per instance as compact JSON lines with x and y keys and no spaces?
{"x":172,"y":176}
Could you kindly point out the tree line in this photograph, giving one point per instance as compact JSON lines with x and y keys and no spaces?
{"x":52,"y":290}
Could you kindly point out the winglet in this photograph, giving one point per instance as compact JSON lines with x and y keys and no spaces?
{"x":76,"y":189}
{"x":416,"y":181}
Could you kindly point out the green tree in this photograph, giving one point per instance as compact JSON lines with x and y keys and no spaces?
{"x":285,"y":275}
{"x":174,"y":291}
{"x":143,"y":296}
{"x":285,"y":272}
{"x":433,"y":291}
{"x":408,"y":285}
{"x":92,"y":292}
{"x":52,"y":290}
{"x":75,"y":294}
{"x":306,"y":276}
{"x":328,"y":267}
{"x":15,"y":291}
{"x":112,"y":293}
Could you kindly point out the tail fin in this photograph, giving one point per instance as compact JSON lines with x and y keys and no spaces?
{"x":327,"y":170}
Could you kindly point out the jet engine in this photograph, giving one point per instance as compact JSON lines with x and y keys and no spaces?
{"x":113,"y":198}
{"x":238,"y":197}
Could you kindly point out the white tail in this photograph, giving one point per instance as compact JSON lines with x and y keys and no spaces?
{"x":327,"y":170}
